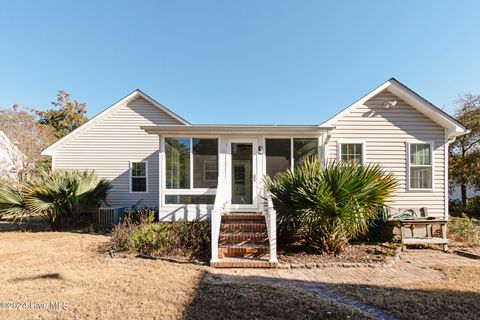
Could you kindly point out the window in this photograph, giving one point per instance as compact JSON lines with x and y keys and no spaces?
{"x":210,"y":171}
{"x":278,"y":155}
{"x":205,"y":163}
{"x":420,"y":165}
{"x":351,"y":152}
{"x":304,"y":148}
{"x":282,"y":154}
{"x":138,"y":174}
{"x":191,"y":165}
{"x":177,"y":156}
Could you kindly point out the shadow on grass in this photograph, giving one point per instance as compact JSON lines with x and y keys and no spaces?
{"x":258,"y":297}
{"x":249,"y":298}
{"x":45,"y":276}
{"x":32,"y":224}
{"x":37,"y":224}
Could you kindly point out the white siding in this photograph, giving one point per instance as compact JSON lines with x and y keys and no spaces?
{"x":385,"y":133}
{"x":111,"y":143}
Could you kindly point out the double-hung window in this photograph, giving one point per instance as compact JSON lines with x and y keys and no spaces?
{"x":420,"y":165}
{"x":351,"y":152}
{"x":138,"y":176}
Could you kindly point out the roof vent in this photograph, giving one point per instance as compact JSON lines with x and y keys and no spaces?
{"x":389,"y":104}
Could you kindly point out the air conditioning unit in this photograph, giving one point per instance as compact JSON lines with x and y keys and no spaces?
{"x":110,"y":216}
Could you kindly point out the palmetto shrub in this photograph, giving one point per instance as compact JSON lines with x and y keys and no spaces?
{"x":60,"y":197}
{"x":12,"y":202}
{"x":327,"y":206}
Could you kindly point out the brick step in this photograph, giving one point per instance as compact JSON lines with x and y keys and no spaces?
{"x":236,"y":217}
{"x":243,"y":238}
{"x":247,"y":250}
{"x":244,"y":263}
{"x":243,"y":227}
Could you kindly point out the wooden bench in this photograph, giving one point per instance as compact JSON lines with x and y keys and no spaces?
{"x":418,"y":230}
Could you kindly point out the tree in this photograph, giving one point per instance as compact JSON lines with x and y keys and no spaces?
{"x":464,"y":152}
{"x":27,"y":139}
{"x":66,"y":116}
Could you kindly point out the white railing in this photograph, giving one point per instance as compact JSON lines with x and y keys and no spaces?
{"x":216,"y":217}
{"x":271,"y":220}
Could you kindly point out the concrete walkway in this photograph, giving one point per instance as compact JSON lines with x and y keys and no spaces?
{"x":413,"y":266}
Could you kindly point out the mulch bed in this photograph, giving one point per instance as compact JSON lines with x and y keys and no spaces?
{"x":355,"y":253}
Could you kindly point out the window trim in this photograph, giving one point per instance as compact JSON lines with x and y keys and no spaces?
{"x":131,"y":176}
{"x":364,"y":149}
{"x":408,"y":164}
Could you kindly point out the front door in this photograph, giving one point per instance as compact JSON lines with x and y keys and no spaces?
{"x":242,"y":174}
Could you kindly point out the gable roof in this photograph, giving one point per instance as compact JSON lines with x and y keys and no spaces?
{"x":437,"y":115}
{"x":132,"y":96}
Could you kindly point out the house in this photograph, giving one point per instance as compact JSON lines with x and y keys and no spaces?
{"x":10,"y":158}
{"x":156,"y":158}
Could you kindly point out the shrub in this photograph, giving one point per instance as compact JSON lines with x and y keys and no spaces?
{"x":60,"y":197}
{"x":455,"y":207}
{"x":153,"y":238}
{"x":327,"y":206}
{"x":465,"y":230}
{"x":141,"y":234}
{"x":193,"y":237}
{"x":473,"y":206}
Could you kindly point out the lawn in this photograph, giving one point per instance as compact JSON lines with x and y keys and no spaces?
{"x":456,"y":297}
{"x":254,"y":301}
{"x":74,"y":271}
{"x":39,"y":268}
{"x":49,"y":267}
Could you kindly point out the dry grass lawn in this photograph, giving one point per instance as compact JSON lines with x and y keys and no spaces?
{"x":254,"y":301}
{"x":47,"y":267}
{"x":39,"y":268}
{"x":456,"y":297}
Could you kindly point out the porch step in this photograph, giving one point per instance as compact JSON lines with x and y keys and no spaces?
{"x":241,"y":216}
{"x":243,"y":250}
{"x":244,"y":263}
{"x":243,"y":241}
{"x":243,"y":238}
{"x":244,"y":226}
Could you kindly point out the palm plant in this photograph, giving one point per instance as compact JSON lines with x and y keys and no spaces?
{"x":328,"y":206}
{"x":12,"y":202}
{"x":61,"y":196}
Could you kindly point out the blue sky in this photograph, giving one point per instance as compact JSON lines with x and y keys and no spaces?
{"x":231,"y":61}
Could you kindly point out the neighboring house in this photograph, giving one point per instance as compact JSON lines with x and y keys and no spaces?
{"x":10,"y":158}
{"x":156,"y":158}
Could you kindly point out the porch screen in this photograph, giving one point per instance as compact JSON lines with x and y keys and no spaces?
{"x":205,"y":163}
{"x":278,"y":155}
{"x":177,"y":157}
{"x":191,"y":163}
{"x":304,"y":148}
{"x":282,"y":154}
